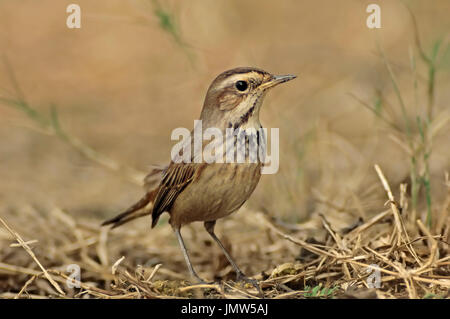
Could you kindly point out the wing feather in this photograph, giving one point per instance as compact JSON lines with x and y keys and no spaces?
{"x":174,"y":181}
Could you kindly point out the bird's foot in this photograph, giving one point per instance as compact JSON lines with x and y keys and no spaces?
{"x":243,"y":278}
{"x":199,"y":281}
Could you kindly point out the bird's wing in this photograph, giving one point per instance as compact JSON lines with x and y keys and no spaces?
{"x":175,"y":179}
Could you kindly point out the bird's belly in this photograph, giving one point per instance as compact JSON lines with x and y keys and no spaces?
{"x":209,"y":197}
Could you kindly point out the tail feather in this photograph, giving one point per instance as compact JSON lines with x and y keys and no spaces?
{"x":116,"y":222}
{"x":132,"y":213}
{"x":140,"y":209}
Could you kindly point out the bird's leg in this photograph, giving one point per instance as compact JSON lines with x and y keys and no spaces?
{"x":186,"y":256}
{"x":209,"y":226}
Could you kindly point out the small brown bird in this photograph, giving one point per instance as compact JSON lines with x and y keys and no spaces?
{"x":202,"y":191}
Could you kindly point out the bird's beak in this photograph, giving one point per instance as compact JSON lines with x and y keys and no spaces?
{"x":277,"y":79}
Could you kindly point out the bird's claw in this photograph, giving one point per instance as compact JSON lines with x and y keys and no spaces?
{"x":242,"y":278}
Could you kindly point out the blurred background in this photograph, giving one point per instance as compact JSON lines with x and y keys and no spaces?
{"x":138,"y":69}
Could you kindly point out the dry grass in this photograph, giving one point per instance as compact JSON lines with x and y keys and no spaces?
{"x":314,"y":230}
{"x":413,"y":260}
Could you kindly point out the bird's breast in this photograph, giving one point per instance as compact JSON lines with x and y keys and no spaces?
{"x":226,"y":181}
{"x":219,"y":190}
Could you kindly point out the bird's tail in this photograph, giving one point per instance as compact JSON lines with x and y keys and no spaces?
{"x":135,"y":211}
{"x":143,"y":207}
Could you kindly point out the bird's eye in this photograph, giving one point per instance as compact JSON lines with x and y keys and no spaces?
{"x":241,"y":85}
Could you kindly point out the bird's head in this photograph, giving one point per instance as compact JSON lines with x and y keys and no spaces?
{"x":235,"y":97}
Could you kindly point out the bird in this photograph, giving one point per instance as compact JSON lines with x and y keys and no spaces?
{"x":200,"y":191}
